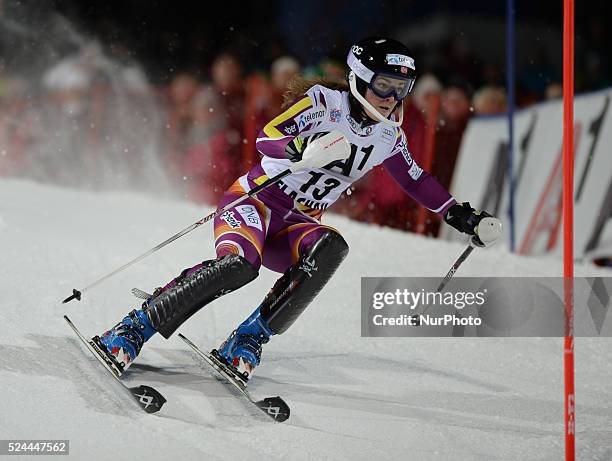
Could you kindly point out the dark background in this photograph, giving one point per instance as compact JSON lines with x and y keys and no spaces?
{"x":167,"y":37}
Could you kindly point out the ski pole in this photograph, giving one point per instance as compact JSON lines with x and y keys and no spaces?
{"x":319,"y":152}
{"x":488,"y":232}
{"x":460,"y":260}
{"x":449,"y":275}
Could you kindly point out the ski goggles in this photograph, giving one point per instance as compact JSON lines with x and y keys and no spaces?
{"x":384,"y":86}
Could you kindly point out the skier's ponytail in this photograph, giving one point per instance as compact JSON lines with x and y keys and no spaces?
{"x":298,"y":86}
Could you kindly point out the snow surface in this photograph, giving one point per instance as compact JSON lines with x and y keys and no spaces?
{"x":351,"y":397}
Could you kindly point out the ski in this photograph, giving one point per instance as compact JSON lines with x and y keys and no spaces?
{"x":274,"y":407}
{"x":146,"y":397}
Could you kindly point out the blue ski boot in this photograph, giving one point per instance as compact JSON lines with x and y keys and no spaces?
{"x":123,"y":342}
{"x":242,"y":350}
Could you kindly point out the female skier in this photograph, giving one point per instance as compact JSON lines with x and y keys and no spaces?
{"x":280,"y":228}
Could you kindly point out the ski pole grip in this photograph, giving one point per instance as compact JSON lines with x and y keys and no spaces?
{"x":76,"y":294}
{"x":476,"y":242}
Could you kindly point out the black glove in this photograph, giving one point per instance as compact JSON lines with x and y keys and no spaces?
{"x":295,"y":149}
{"x":464,"y":218}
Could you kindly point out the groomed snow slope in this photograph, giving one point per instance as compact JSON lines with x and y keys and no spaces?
{"x":351,"y":397}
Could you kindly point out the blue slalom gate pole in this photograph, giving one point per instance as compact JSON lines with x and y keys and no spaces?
{"x":510,"y":83}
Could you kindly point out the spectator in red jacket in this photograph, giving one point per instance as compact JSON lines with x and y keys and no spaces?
{"x":179,"y":120}
{"x":265,"y":100}
{"x":208,"y":164}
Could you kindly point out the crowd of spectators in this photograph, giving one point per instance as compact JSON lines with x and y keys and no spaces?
{"x":209,"y":126}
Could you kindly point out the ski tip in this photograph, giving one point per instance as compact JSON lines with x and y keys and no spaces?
{"x":76,"y":294}
{"x":275,"y":407}
{"x":149,"y":399}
